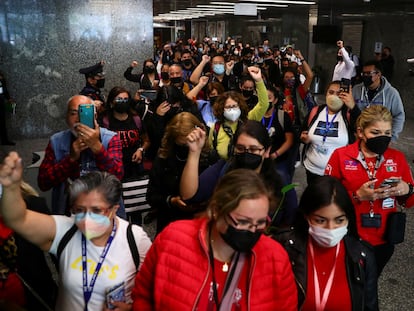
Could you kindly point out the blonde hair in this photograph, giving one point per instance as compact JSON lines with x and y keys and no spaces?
{"x":372,"y":114}
{"x":234,"y":186}
{"x":180,"y":125}
{"x":28,"y":190}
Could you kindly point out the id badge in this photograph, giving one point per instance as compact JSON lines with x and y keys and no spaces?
{"x":388,"y":203}
{"x":321,"y":149}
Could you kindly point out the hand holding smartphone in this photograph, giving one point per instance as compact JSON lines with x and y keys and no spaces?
{"x":344,"y":86}
{"x":87,"y":115}
{"x":391,"y":182}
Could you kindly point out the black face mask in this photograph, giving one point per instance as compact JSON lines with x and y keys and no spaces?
{"x":240,"y":240}
{"x":367,"y":80}
{"x":181,"y":151}
{"x":121,"y":107}
{"x":248,"y":160}
{"x":165,"y":75}
{"x":187,"y":62}
{"x":378,"y":144}
{"x":100,"y":83}
{"x":148,"y":69}
{"x":247,"y":93}
{"x":213,"y":99}
{"x":176,"y":80}
{"x":339,"y":58}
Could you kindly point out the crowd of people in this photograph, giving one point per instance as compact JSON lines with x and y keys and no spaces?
{"x":218,"y":129}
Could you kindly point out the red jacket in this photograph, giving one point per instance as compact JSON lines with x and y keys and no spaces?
{"x":345,"y":164}
{"x":176,"y":269}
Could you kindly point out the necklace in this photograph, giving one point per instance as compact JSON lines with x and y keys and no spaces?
{"x":225,"y":265}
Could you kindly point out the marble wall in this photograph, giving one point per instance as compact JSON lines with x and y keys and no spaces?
{"x":44,"y":43}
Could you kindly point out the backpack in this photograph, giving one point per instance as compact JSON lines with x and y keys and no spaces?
{"x":130,"y":237}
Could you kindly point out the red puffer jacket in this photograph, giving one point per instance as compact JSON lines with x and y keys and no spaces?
{"x":176,"y":269}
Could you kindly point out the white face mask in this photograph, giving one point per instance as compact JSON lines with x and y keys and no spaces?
{"x":327,"y":237}
{"x":232,"y":114}
{"x":334,"y":102}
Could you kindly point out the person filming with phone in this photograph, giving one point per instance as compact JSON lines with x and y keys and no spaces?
{"x":365,"y":169}
{"x":76,"y":151}
{"x":328,"y":127}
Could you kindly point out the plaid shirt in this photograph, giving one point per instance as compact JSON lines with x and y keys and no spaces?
{"x":53,"y":173}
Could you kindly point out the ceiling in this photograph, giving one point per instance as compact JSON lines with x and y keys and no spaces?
{"x":342,"y":6}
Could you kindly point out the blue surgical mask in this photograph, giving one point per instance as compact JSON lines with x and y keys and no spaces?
{"x":218,"y":69}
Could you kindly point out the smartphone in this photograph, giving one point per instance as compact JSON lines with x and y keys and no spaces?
{"x":345,"y":83}
{"x":392,"y":182}
{"x":150,"y":94}
{"x":116,"y":293}
{"x":87,"y":114}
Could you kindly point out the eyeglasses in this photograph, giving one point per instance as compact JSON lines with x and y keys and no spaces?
{"x":120,"y":100}
{"x":231,"y":107}
{"x":247,"y":225}
{"x":332,"y":92}
{"x":369,"y":73}
{"x":94,"y":209}
{"x":251,"y":149}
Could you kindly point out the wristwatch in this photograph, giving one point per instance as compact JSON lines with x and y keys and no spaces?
{"x":410,"y":189}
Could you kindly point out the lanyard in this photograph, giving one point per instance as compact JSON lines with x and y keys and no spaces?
{"x":87,"y":290}
{"x":321,"y":303}
{"x":270,"y":121}
{"x":229,"y":277}
{"x":328,"y":124}
{"x":364,"y":164}
{"x":371,"y":176}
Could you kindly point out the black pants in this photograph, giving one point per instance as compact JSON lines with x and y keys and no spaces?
{"x":383,"y":254}
{"x":310,"y":177}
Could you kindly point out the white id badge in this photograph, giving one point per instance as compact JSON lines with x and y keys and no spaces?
{"x":388,"y":203}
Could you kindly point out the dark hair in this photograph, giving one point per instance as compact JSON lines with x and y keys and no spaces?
{"x":246,"y":77}
{"x":214,"y":86}
{"x":113,"y":93}
{"x":332,"y":83}
{"x":148,"y":60}
{"x":323,"y":191}
{"x":276,"y":94}
{"x":254,"y":129}
{"x":374,"y":63}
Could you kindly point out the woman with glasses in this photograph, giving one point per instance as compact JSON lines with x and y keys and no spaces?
{"x":221,"y":261}
{"x":327,"y":127}
{"x":334,"y":269}
{"x":251,"y":151}
{"x":97,"y":258}
{"x":376,"y":176}
{"x":231,"y":110}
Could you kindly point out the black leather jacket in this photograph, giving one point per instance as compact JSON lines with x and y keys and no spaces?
{"x":360,"y":264}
